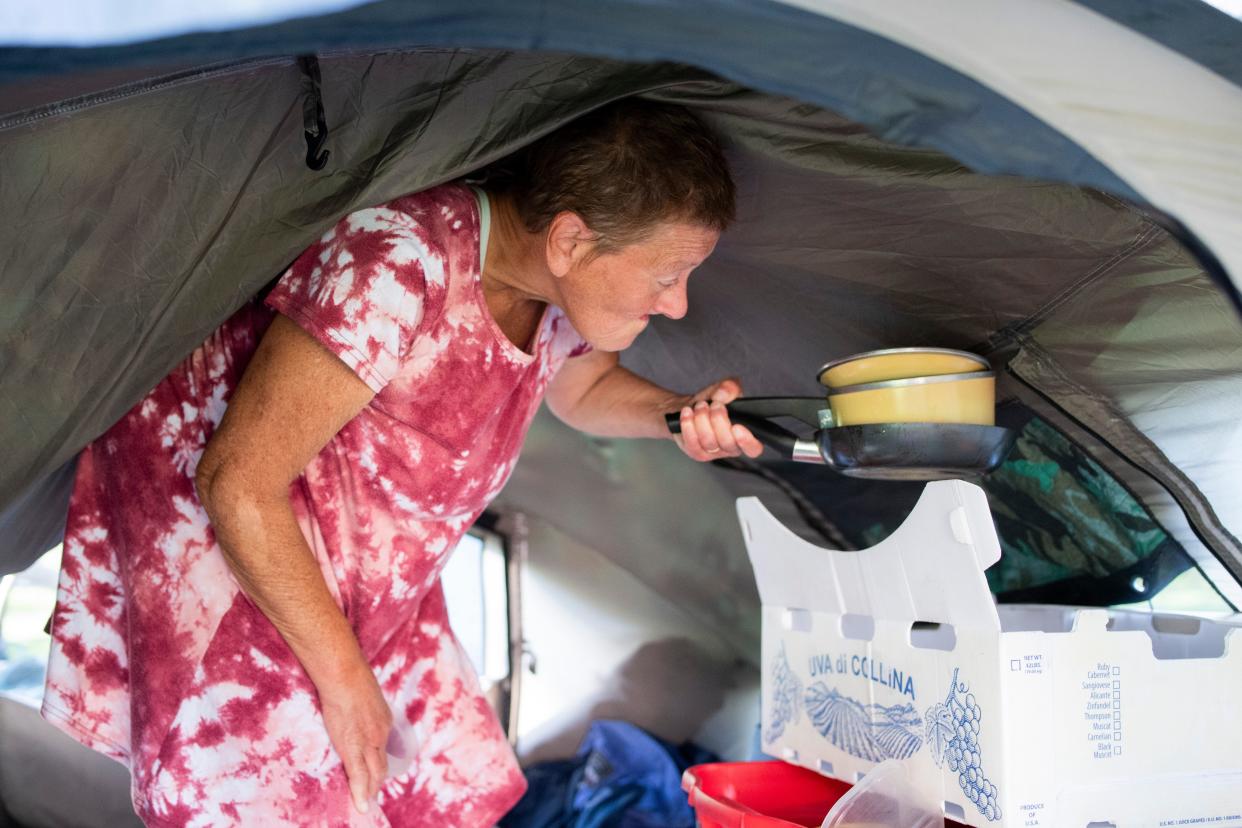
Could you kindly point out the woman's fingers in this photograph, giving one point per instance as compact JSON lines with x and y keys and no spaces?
{"x":722,"y":429}
{"x":359,"y":778}
{"x":366,"y":769}
{"x":747,"y":442}
{"x":707,"y":433}
{"x":690,"y":435}
{"x":726,"y":391}
{"x":708,"y":439}
{"x":358,"y":721}
{"x":377,"y":767}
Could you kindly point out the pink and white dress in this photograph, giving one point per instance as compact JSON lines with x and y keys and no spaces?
{"x":160,"y":661}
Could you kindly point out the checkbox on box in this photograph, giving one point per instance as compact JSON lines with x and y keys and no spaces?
{"x":1116,"y":750}
{"x":1117,"y":724}
{"x":1116,"y":714}
{"x":1116,"y":671}
{"x":1116,"y":705}
{"x":1116,"y":694}
{"x":1117,"y":737}
{"x":1116,"y":685}
{"x":1015,"y":665}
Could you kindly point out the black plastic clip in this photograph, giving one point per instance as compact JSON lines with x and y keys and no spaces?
{"x":313,"y":121}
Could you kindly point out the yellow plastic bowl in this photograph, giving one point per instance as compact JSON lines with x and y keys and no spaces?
{"x":949,"y":398}
{"x":898,"y":363}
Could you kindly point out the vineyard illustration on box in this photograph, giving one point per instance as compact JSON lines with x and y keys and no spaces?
{"x":869,"y":731}
{"x":875,"y":732}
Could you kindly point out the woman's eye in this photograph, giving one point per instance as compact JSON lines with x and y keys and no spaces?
{"x":668,"y":284}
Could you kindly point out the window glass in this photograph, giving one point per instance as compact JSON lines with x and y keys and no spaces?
{"x":26,"y":603}
{"x":475,"y":590}
{"x":1188,"y":593}
{"x":1070,"y":532}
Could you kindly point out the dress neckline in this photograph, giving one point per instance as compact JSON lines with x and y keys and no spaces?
{"x":484,"y":207}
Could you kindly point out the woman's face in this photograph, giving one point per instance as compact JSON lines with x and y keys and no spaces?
{"x":609,"y":297}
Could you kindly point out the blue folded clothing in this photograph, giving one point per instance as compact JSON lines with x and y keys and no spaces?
{"x":622,"y":777}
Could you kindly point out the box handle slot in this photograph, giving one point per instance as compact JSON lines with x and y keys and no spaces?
{"x":1174,"y":637}
{"x":1175,"y":624}
{"x":858,"y":627}
{"x":796,"y":620}
{"x":932,"y":635}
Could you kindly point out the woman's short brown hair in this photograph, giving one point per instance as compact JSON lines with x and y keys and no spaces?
{"x":623,"y":168}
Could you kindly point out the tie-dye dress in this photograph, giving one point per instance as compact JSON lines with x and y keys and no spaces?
{"x":160,"y":661}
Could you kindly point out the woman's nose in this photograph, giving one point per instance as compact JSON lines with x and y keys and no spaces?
{"x":673,"y":302}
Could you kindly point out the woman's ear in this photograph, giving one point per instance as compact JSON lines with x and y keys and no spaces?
{"x":568,"y":242}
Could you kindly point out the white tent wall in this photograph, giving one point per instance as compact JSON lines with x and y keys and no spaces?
{"x":1123,"y":97}
{"x":602,"y":644}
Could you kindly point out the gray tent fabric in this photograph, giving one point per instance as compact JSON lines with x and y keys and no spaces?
{"x":896,"y":90}
{"x":994,"y":273}
{"x":138,"y":261}
{"x":152,"y":211}
{"x":898,"y":93}
{"x":34,"y":521}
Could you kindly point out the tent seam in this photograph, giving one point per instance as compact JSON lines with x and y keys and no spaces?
{"x":1142,"y":239}
{"x":1191,"y":500}
{"x":71,"y":105}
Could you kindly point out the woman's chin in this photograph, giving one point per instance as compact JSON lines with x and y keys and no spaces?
{"x":611,"y":344}
{"x":615,"y":341}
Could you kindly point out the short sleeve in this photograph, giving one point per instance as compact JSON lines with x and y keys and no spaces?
{"x":362,"y":290}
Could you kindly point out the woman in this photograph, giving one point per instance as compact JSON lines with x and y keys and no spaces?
{"x":249,"y":612}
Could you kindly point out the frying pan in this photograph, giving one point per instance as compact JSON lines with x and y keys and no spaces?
{"x":885,"y":451}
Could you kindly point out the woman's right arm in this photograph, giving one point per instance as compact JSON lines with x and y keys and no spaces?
{"x":294,"y":396}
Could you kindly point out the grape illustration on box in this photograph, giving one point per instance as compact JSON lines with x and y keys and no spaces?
{"x":786,"y":692}
{"x":869,"y":731}
{"x":953,"y":737}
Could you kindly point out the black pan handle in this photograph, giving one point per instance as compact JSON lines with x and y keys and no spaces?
{"x":805,"y":409}
{"x":753,"y":412}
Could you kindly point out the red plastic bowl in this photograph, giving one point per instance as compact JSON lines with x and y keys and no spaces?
{"x":762,"y":795}
{"x":759,"y":795}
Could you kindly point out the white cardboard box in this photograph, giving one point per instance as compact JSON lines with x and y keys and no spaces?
{"x":1054,"y":717}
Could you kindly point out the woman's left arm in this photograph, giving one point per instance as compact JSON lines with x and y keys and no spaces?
{"x":595,"y":394}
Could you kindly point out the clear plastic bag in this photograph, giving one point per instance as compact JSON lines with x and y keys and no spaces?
{"x":884,"y":798}
{"x":402,"y":749}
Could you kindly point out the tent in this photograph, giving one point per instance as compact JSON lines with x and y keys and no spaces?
{"x":1054,"y":185}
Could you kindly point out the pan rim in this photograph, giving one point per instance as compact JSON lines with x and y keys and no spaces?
{"x":836,"y":363}
{"x":911,"y":381}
